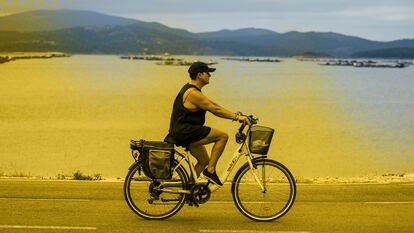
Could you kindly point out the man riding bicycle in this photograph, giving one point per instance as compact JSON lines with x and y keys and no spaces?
{"x":187,"y":127}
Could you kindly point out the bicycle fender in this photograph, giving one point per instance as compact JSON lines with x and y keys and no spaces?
{"x":243,"y":166}
{"x":133,"y":165}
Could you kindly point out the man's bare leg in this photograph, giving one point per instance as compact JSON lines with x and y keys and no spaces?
{"x":220,"y":140}
{"x":200,"y":153}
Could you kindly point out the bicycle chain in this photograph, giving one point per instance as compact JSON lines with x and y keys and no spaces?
{"x":200,"y":193}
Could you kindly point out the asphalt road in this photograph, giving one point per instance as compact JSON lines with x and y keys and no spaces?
{"x":82,"y":206}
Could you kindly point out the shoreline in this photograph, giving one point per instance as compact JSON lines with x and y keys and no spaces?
{"x":8,"y":57}
{"x":377,"y":179}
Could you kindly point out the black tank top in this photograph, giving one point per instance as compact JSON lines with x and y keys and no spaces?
{"x":183,"y":121}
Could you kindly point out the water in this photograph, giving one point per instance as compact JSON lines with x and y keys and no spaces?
{"x":61,"y":115}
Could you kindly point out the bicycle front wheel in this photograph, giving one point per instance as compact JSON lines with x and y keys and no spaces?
{"x":264,"y":193}
{"x":146,"y":197}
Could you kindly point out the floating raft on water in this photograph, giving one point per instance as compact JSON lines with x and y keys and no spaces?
{"x":365,"y":63}
{"x":162,"y":60}
{"x":31,"y":56}
{"x":253,"y":59}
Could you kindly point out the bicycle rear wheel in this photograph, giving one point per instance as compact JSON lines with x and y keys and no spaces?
{"x":270,"y":202}
{"x":145,"y":198}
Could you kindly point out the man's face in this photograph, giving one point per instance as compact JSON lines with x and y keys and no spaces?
{"x":204,"y":77}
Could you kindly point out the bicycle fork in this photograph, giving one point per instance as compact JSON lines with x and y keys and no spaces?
{"x":256,"y":178}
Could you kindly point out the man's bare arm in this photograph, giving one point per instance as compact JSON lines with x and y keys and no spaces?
{"x":197,"y":98}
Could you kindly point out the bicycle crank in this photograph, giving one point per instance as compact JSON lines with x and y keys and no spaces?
{"x":200,"y":193}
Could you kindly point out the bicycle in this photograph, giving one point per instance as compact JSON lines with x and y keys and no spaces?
{"x":262,"y":189}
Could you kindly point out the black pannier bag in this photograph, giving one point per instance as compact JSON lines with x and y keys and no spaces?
{"x":260,"y":138}
{"x":157,"y":158}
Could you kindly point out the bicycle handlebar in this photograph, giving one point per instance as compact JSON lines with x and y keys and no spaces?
{"x":240,"y":136}
{"x":253,"y":120}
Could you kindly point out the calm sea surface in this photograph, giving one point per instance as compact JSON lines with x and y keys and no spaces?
{"x":61,"y":115}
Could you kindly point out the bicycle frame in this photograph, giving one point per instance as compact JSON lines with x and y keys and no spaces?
{"x":274,"y":182}
{"x":243,"y":149}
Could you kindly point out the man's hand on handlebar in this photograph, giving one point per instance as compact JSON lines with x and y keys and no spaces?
{"x":243,"y":119}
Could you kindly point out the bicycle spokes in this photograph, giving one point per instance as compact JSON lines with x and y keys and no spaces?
{"x":265,"y":192}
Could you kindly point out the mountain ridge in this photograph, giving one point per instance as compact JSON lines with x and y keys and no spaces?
{"x":42,"y":20}
{"x":91,"y":32}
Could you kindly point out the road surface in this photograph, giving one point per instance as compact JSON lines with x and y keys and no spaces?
{"x":83,"y":206}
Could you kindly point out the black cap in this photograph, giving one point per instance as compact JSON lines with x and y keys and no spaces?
{"x":199,"y":66}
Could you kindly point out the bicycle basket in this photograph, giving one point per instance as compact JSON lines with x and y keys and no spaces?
{"x":260,"y":138}
{"x":156,"y":158}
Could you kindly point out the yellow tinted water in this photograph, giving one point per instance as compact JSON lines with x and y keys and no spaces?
{"x":61,"y":115}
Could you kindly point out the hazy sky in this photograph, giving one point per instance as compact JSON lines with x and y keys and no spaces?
{"x":382,"y":20}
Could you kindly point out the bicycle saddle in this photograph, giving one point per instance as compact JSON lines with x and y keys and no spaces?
{"x":170,"y":139}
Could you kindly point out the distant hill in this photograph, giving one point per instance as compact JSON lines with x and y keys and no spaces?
{"x":90,"y":32}
{"x":44,"y":20}
{"x":296,"y":43}
{"x":131,"y":39}
{"x":402,"y":53}
{"x":226,"y":34}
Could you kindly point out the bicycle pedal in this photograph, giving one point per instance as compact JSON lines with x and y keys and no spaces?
{"x":192,"y":203}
